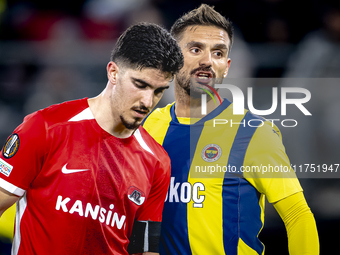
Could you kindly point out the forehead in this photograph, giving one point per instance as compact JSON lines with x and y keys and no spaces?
{"x":204,"y":34}
{"x":150,"y":75}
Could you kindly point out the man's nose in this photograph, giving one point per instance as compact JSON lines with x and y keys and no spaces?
{"x":205,"y":59}
{"x":147,"y":98}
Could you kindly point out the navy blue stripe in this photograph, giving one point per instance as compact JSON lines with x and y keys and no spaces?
{"x":180,"y":143}
{"x":217,"y":111}
{"x":242,"y":139}
{"x":241,"y":210}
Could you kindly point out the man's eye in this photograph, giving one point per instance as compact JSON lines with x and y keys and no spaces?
{"x":140,"y":85}
{"x":195,"y":50}
{"x":159,"y":91}
{"x":218,"y":53}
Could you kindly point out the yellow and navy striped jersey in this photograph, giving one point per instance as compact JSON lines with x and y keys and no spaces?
{"x":222,"y":167}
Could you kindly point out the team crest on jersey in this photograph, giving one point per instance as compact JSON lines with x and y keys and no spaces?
{"x":11,"y":147}
{"x":136,"y":195}
{"x":211,"y":153}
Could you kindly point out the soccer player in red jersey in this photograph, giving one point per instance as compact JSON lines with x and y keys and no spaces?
{"x":86,"y":177}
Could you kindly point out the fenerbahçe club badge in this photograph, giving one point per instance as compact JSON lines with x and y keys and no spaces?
{"x":11,"y":147}
{"x":211,"y":153}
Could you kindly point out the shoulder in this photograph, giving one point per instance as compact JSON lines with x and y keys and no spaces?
{"x":62,"y":112}
{"x":158,"y":115}
{"x":267,"y":132}
{"x":148,"y":143}
{"x":157,"y":123}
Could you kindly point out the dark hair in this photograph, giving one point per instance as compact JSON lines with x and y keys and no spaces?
{"x":204,"y":15}
{"x":148,"y":45}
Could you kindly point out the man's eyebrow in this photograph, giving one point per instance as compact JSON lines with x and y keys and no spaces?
{"x":148,"y":84}
{"x":220,"y":46}
{"x":194,"y":44}
{"x":141,"y":81}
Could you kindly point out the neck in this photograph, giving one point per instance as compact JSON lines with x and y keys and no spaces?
{"x":102,"y":110}
{"x":187,"y":106}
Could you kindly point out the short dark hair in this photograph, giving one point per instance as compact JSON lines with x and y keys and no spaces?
{"x":204,"y":15}
{"x":148,"y":45}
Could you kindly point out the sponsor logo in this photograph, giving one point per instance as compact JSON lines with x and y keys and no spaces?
{"x":64,"y":170}
{"x":211,"y":153}
{"x":186,"y":192}
{"x":96,"y":212}
{"x":136,"y":195}
{"x":11,"y":147}
{"x":5,"y":168}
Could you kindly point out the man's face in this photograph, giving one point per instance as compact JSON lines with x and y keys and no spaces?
{"x":136,"y":93}
{"x":206,"y":62}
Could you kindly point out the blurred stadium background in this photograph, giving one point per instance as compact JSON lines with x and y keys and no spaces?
{"x":52,"y":51}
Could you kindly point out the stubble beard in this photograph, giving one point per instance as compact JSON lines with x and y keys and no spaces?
{"x":191,"y":86}
{"x":130,"y":125}
{"x":185,"y":82}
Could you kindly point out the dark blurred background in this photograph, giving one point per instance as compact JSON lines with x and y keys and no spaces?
{"x":53,"y":51}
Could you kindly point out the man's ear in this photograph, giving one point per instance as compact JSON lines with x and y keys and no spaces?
{"x":227,"y":69}
{"x":112,"y":71}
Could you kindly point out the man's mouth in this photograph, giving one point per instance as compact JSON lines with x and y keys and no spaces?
{"x":141,"y":113}
{"x":203,"y":77}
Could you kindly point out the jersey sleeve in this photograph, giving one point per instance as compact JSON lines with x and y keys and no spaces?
{"x":270,"y":171}
{"x":22,"y":156}
{"x":152,"y":209}
{"x":146,"y":230}
{"x":300,"y":225}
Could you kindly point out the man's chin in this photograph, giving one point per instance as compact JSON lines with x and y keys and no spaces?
{"x":131,"y":125}
{"x":200,"y":87}
{"x":195,"y":92}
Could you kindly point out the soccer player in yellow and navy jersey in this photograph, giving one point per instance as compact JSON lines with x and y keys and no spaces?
{"x":214,"y":205}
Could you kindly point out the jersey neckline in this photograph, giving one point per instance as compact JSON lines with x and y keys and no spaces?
{"x":209,"y":116}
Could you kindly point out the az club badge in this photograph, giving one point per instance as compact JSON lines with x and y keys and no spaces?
{"x":211,"y":153}
{"x":136,"y":195}
{"x":11,"y":147}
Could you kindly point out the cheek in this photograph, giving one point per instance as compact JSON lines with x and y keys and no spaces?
{"x":187,"y":68}
{"x":189,"y":61}
{"x":220,"y":68}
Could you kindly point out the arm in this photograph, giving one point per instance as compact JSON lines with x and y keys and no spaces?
{"x":6,"y":200}
{"x":300,"y":225}
{"x":24,"y":161}
{"x":146,"y":230}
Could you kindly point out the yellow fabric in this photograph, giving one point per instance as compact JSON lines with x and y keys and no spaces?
{"x":300,"y":225}
{"x":7,"y":223}
{"x":159,"y":128}
{"x":212,"y":210}
{"x":187,"y":121}
{"x":275,"y":178}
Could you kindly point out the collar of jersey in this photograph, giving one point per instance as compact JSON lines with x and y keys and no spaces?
{"x":209,"y":116}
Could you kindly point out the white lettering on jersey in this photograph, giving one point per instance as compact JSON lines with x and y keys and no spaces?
{"x":93,"y":212}
{"x":104,"y":215}
{"x":62,"y":203}
{"x":185,"y":192}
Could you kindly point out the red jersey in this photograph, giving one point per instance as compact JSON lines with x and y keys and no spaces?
{"x":80,"y":188}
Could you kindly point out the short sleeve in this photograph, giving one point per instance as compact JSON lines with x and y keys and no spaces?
{"x":22,"y":156}
{"x":271,"y":172}
{"x":153,"y":207}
